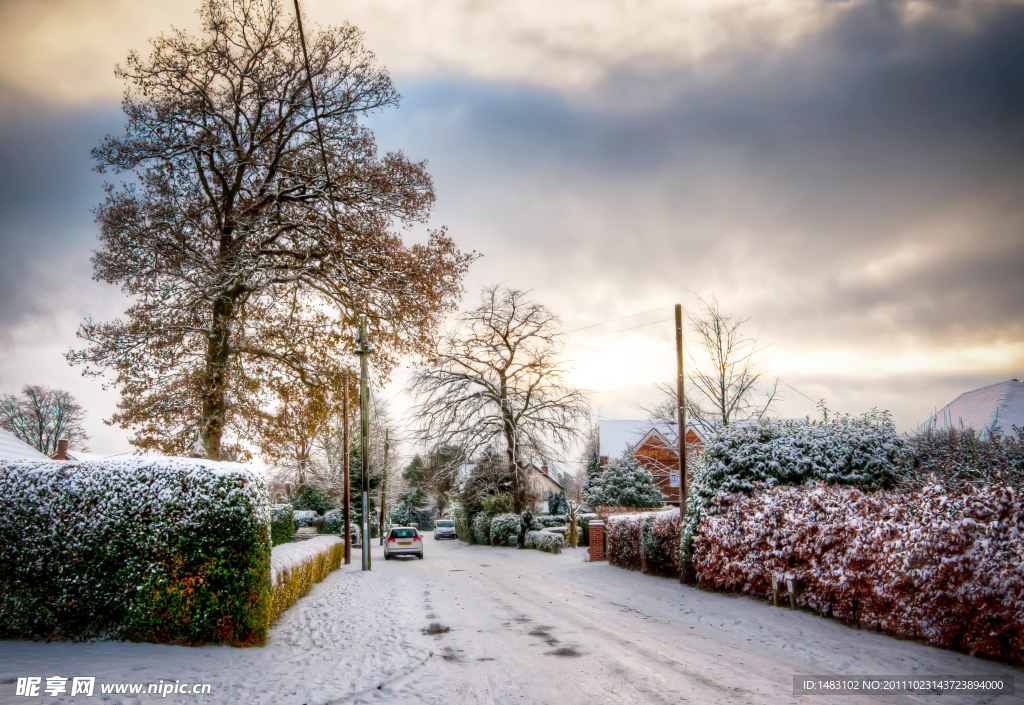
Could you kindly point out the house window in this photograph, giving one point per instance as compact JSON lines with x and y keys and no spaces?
{"x":673,"y":479}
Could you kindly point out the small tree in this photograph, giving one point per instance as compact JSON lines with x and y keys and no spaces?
{"x":572,"y":513}
{"x":42,"y":416}
{"x":626,"y":483}
{"x":497,"y":381}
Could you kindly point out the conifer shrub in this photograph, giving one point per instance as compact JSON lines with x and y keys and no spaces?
{"x":303,"y":517}
{"x":173,"y":551}
{"x":625,"y":483}
{"x":282,"y":523}
{"x":545,"y":540}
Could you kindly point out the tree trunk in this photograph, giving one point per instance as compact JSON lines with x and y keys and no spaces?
{"x":214,"y":381}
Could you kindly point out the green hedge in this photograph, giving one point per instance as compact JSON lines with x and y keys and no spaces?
{"x":334,"y":523}
{"x":282,"y":523}
{"x":170,"y":551}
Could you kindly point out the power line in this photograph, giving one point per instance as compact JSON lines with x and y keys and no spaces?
{"x":799,"y":392}
{"x":666,"y":320}
{"x":615,"y":320}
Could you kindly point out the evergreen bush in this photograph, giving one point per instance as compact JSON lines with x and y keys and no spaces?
{"x":173,"y":551}
{"x":303,"y":517}
{"x":498,"y":503}
{"x":334,"y":523}
{"x":505,"y":530}
{"x":625,"y":483}
{"x":282,"y":523}
{"x":482,"y":529}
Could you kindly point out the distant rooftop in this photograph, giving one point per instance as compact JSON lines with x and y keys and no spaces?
{"x":618,"y":435}
{"x":998,"y":406}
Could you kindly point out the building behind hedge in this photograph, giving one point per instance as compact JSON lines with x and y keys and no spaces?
{"x":655,"y":445}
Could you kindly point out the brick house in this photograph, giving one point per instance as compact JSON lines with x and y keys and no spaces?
{"x":655,"y":447}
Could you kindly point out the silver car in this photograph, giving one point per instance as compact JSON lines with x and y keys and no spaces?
{"x":444,"y":529}
{"x":403,"y":541}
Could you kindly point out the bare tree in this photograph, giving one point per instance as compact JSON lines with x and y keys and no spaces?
{"x":724,"y":382}
{"x":497,"y":381}
{"x":262,"y":223}
{"x":42,"y":416}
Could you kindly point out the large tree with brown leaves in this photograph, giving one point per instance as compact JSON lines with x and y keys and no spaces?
{"x":261,"y":223}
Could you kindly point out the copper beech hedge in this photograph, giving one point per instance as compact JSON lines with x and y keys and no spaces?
{"x":944,"y":568}
{"x":648,"y":542}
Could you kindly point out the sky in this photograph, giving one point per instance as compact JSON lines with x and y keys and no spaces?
{"x":849,"y":175}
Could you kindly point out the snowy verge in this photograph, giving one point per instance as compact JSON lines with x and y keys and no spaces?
{"x":296,"y":567}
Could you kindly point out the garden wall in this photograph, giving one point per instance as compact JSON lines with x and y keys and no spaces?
{"x":941,"y":567}
{"x":168,"y":551}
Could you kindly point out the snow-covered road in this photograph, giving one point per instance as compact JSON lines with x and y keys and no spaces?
{"x":471,"y":624}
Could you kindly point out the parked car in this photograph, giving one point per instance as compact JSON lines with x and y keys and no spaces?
{"x":403,"y":541}
{"x":444,"y":529}
{"x":304,"y":533}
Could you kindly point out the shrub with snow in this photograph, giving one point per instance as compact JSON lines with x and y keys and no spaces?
{"x":547,"y":520}
{"x":625,"y":483}
{"x":865,"y":452}
{"x":545,"y":540}
{"x":334,"y":522}
{"x":282,"y":523}
{"x":304,"y":517}
{"x":648,"y":542}
{"x":169,"y":550}
{"x":505,"y":530}
{"x":961,"y":458}
{"x":482,"y":529}
{"x":938,"y":566}
{"x":296,"y":567}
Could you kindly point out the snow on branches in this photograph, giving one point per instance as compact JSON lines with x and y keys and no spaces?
{"x":624,"y":483}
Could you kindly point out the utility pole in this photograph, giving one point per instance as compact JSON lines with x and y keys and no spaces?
{"x":384,"y":487}
{"x":684,"y":570}
{"x":364,"y":350}
{"x":347,"y":492}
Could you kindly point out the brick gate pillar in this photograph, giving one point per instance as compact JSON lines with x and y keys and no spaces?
{"x":596,"y":531}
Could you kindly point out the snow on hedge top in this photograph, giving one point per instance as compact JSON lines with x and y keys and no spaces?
{"x":998,"y":406}
{"x":13,"y":448}
{"x":137,"y":463}
{"x":288,"y":556}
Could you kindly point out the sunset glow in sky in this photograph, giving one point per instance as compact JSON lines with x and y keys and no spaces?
{"x":847,"y":174}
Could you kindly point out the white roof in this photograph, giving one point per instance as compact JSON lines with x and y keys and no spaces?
{"x":998,"y":406}
{"x":13,"y":448}
{"x":127,"y":455}
{"x":616,"y":435}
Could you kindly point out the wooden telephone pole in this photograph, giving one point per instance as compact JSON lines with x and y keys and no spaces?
{"x":347,"y":491}
{"x":684,"y":569}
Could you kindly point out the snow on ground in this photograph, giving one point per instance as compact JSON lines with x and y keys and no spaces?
{"x":334,"y":643}
{"x":474,"y":624}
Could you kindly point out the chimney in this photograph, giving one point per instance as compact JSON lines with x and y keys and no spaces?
{"x":544,"y":469}
{"x":62,"y":450}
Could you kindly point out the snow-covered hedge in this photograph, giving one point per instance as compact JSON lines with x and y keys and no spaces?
{"x":648,"y":542}
{"x":334,"y":522}
{"x":545,"y":540}
{"x":296,"y":567}
{"x":282,"y":523}
{"x":505,"y":530}
{"x":863,"y":451}
{"x":482,"y":529}
{"x":947,"y":568}
{"x":545,"y":521}
{"x":167,"y":550}
{"x":304,"y":517}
